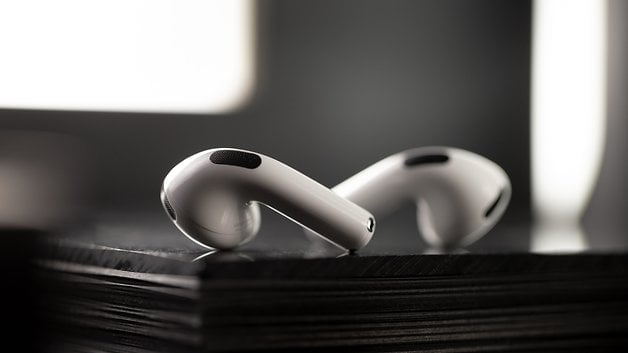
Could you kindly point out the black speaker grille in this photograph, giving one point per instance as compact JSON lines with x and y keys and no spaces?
{"x":236,"y":158}
{"x":426,"y":159}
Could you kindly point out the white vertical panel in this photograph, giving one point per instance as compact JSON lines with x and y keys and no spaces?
{"x":568,"y":108}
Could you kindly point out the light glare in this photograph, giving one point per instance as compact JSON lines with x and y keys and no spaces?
{"x":126,"y":55}
{"x":568,"y":104}
{"x":568,"y":117}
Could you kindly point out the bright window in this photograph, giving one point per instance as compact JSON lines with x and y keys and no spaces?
{"x":126,"y":55}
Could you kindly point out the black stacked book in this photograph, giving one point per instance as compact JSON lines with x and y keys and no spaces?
{"x":105,"y":299}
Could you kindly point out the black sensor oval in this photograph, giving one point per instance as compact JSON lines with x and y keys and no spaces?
{"x":426,"y":159}
{"x":492,"y":207}
{"x":236,"y":158}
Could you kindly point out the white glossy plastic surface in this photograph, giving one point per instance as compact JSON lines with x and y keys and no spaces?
{"x":452,"y":197}
{"x":216,"y":205}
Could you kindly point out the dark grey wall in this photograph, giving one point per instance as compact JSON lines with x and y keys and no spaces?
{"x":342,"y":83}
{"x":606,"y":219}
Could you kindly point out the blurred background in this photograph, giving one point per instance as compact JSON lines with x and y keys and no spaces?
{"x":90,"y":126}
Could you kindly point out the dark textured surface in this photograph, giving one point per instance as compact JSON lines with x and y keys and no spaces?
{"x":277,"y":265}
{"x":184,"y":300}
{"x":21,"y":293}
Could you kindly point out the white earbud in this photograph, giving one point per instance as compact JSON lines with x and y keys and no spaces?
{"x":459,"y":195}
{"x":213,"y":196}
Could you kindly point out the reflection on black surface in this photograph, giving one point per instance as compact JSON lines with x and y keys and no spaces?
{"x":223,"y":256}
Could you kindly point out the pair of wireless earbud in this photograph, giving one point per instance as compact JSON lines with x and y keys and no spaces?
{"x":213,"y":196}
